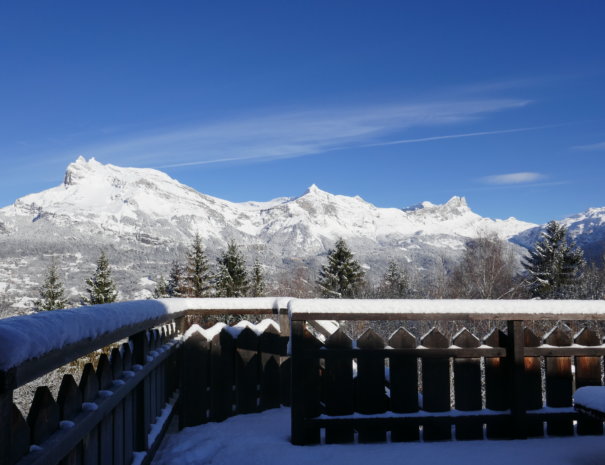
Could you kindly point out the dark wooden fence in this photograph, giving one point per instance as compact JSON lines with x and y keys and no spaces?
{"x":233,"y":371}
{"x":118,"y":412}
{"x":507,"y":384}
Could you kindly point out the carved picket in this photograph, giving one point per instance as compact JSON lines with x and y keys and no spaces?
{"x":338,"y":388}
{"x":436,"y":385}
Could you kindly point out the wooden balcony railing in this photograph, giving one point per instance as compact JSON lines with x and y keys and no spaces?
{"x":118,"y":412}
{"x":505,"y":384}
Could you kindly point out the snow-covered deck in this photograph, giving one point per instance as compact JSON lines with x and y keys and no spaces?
{"x":264,"y":439}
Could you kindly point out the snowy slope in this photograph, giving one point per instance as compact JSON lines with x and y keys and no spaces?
{"x":144,"y":219}
{"x":587,"y":229}
{"x":125,"y":200}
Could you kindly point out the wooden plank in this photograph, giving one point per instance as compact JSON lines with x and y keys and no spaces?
{"x":559,"y":382}
{"x":159,"y":402}
{"x":285,"y":384}
{"x":247,"y":370}
{"x":420,"y":351}
{"x":403,"y":370}
{"x":69,"y":400}
{"x":222,"y":360}
{"x":530,"y":393}
{"x":496,"y":386}
{"x":467,"y":386}
{"x":89,"y":387}
{"x":20,"y":437}
{"x":163,"y":395}
{"x":270,"y":347}
{"x":285,"y":368}
{"x":338,"y":388}
{"x":370,"y":396}
{"x":128,"y":405}
{"x":437,"y":419}
{"x":105,"y":378}
{"x":194,"y":380}
{"x":306,"y":395}
{"x":549,"y":351}
{"x":43,"y":418}
{"x":153,"y":381}
{"x":531,"y":388}
{"x":118,"y":413}
{"x":588,"y":373}
{"x":436,"y":386}
{"x":142,"y":418}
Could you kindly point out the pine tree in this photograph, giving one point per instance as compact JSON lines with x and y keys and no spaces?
{"x":176,"y":281}
{"x":554,"y":266}
{"x":342,"y":276}
{"x":197,"y":271}
{"x":232,"y":279}
{"x":161,"y":288}
{"x":257,"y":287}
{"x":394,"y":283}
{"x":52,"y":295}
{"x":100,"y":287}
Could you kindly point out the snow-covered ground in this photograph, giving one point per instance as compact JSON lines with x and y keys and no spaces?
{"x":263,"y":439}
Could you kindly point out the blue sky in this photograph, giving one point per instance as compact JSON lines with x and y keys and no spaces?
{"x":398,"y":102}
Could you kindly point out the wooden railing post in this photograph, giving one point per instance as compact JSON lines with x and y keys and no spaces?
{"x":142,"y":418}
{"x":297,"y":397}
{"x":516,"y":363}
{"x":180,"y":325}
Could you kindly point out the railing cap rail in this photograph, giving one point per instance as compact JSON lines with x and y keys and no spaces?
{"x":43,"y":341}
{"x":445,"y":309}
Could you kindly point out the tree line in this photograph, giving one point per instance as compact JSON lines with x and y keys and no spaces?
{"x":194,"y":278}
{"x":554,"y":268}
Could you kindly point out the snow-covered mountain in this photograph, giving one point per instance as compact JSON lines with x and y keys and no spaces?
{"x":587,"y":229}
{"x":144,"y":219}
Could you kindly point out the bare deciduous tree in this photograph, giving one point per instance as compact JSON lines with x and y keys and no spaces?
{"x":486,"y":271}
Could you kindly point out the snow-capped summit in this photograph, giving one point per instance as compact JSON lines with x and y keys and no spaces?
{"x":313,"y":190}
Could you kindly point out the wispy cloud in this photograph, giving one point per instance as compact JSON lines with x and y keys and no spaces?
{"x":513,"y":178}
{"x":294,"y":134}
{"x":590,"y":147}
{"x":455,"y":136}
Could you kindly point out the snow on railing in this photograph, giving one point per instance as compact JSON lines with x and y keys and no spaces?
{"x":27,"y":337}
{"x":445,"y":309}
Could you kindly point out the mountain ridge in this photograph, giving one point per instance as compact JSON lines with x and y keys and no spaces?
{"x":144,"y":219}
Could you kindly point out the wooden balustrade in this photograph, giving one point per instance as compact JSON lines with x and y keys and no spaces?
{"x":121,"y":407}
{"x":471,"y":386}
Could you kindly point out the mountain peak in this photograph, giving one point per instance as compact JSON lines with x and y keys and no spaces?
{"x":457,"y":202}
{"x":79,"y":169}
{"x":314,"y":190}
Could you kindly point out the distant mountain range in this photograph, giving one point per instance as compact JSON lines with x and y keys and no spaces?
{"x":144,"y":219}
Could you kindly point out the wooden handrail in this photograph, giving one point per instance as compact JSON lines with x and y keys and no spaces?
{"x":35,"y":367}
{"x":445,"y":309}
